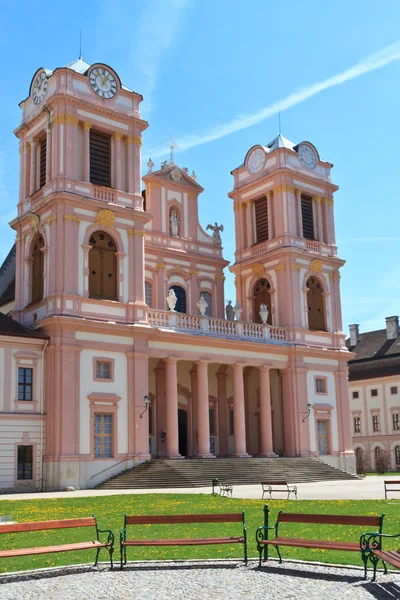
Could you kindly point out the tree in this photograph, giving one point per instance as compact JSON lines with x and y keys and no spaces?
{"x":382,"y":461}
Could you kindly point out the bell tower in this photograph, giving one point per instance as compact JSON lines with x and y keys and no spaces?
{"x":80,"y":224}
{"x":286,"y":254}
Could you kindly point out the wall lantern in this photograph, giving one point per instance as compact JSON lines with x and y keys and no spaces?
{"x":308,"y":412}
{"x":146,"y":404}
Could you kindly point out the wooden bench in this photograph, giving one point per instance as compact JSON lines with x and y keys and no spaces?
{"x":278,"y":486}
{"x":282,"y":540}
{"x":182,"y":519}
{"x":63,"y":524}
{"x":389,"y":483}
{"x":372,"y":542}
{"x":225,"y":488}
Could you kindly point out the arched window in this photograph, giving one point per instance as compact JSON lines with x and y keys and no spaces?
{"x":148,"y":294}
{"x":208,"y":298}
{"x":181,"y":296}
{"x":397,"y":456}
{"x":315,"y":305}
{"x":377,"y":452}
{"x":262,"y":295}
{"x":37,"y":269}
{"x":358,"y":454}
{"x":102,"y":267}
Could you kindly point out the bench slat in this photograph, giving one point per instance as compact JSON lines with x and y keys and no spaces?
{"x":328,"y":545}
{"x":165,"y":519}
{"x":390,"y":556}
{"x":274,"y":483}
{"x":45,"y":525}
{"x":184,"y":542}
{"x":329,"y":519}
{"x":393,"y":482}
{"x":51,"y":549}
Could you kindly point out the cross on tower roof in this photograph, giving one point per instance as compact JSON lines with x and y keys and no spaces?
{"x":172,"y":146}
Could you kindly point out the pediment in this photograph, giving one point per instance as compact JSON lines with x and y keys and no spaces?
{"x":173,"y":174}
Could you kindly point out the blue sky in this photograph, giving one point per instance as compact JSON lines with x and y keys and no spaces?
{"x":213,"y":74}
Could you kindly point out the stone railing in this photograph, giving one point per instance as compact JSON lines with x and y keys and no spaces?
{"x":103,"y":193}
{"x":313,"y":246}
{"x":217,"y":327}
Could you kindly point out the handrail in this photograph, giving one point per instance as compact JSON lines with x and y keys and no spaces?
{"x":314,"y":455}
{"x":118,"y":463}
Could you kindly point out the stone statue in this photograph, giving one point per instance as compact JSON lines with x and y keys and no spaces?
{"x":216,"y":229}
{"x":174,"y":224}
{"x":264,"y":312}
{"x":202,"y":305}
{"x":150,"y":165}
{"x":193,"y":176}
{"x":164,"y":164}
{"x":237,"y":309}
{"x":185,"y":170}
{"x":171,"y":300}
{"x":229,"y":311}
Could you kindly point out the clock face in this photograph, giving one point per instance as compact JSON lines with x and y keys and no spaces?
{"x":256,"y":161}
{"x":39,"y":87}
{"x":307,"y":156}
{"x":103,"y":82}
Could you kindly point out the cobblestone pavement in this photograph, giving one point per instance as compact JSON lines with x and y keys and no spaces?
{"x":201,"y":581}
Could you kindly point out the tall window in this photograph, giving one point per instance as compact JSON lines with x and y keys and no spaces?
{"x":262,"y":295}
{"x":42,"y":168}
{"x":315,"y":305}
{"x":181,"y":298}
{"x":322,"y":433}
{"x":208,"y":298}
{"x":397,"y":455}
{"x":25,"y":382}
{"x":37,"y":269}
{"x":375,"y":422}
{"x":148,"y":293}
{"x":377,"y":453}
{"x":100,"y":158}
{"x":307,"y":217}
{"x":231,"y":422}
{"x":396,"y":421}
{"x":103,"y":435}
{"x":25,"y":462}
{"x":151,"y":419}
{"x":212,"y":420}
{"x":357,"y":424}
{"x":102,"y":267}
{"x":261,"y":212}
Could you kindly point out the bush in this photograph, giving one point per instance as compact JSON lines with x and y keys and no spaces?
{"x":361,"y":462}
{"x":382,"y":462}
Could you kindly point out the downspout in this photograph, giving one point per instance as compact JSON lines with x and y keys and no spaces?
{"x":41,"y":420}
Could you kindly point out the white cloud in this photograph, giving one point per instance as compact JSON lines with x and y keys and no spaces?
{"x":371,"y":63}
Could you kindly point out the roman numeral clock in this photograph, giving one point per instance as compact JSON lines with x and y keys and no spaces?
{"x":103,"y":82}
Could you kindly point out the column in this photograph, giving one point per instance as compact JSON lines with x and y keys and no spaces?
{"x":222,"y":413}
{"x":299,"y":214}
{"x":343,"y":418}
{"x":137,"y":176}
{"x":320,"y":228}
{"x":238,"y":412}
{"x":267,"y":448}
{"x":129,"y":169}
{"x":22,"y":173}
{"x":117,"y":160}
{"x":172,"y":439}
{"x":48,"y":153}
{"x":271,"y":227}
{"x":86,"y":151}
{"x":249,"y":222}
{"x":32,"y":180}
{"x":331,"y":221}
{"x":203,"y":419}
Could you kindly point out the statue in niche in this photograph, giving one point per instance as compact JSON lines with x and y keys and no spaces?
{"x":172,"y":300}
{"x":150,"y":165}
{"x":174,"y":223}
{"x":202,"y":305}
{"x":216,"y":229}
{"x":264,"y":312}
{"x":229,"y":311}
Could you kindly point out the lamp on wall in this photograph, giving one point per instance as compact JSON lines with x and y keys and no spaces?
{"x":146,"y":404}
{"x":308,"y":412}
{"x":163,"y":434}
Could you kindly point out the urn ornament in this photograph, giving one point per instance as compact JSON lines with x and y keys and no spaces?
{"x":172,"y":300}
{"x":264,"y":312}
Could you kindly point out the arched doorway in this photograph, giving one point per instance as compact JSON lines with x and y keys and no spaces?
{"x":315,"y":305}
{"x":37,"y":270}
{"x":182,"y":431}
{"x":262,"y":295}
{"x":102,"y":267}
{"x":181,"y":298}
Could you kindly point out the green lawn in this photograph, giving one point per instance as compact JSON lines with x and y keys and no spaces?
{"x":110,"y":510}
{"x":387,"y":474}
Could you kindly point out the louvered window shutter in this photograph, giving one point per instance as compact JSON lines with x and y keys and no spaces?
{"x":43,"y":146}
{"x":109,"y":275}
{"x":307,"y":217}
{"x":100,"y":158}
{"x":261,"y":209}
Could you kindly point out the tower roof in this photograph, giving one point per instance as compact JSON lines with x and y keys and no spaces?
{"x":79,"y":65}
{"x":280,"y":142}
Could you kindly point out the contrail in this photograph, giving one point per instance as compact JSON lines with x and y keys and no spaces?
{"x":371,"y":63}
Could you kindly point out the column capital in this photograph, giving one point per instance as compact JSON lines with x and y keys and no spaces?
{"x":202,"y":361}
{"x":33,"y":143}
{"x":265,"y":368}
{"x":238,"y":366}
{"x":86,"y":126}
{"x":170,"y":360}
{"x":118,"y":135}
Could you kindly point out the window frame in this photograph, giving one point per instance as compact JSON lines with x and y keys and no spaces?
{"x":376,"y":427}
{"x":394,"y":390}
{"x":148,"y":285}
{"x":25,"y":384}
{"x":19,"y":445}
{"x":396,"y":421}
{"x":374,"y":392}
{"x":324,"y":381}
{"x":356,"y":395}
{"x":97,"y":178}
{"x":103,"y":360}
{"x":104,"y":435}
{"x":357,"y":424}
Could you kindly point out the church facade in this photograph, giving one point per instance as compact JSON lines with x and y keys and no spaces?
{"x":126,"y":351}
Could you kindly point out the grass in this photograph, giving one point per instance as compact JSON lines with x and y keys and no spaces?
{"x":109,"y":511}
{"x":386,"y":474}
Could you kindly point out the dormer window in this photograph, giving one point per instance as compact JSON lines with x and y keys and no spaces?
{"x":307,"y":217}
{"x":100,"y":158}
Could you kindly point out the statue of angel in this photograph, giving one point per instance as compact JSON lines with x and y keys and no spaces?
{"x":174,"y":224}
{"x":150,"y":165}
{"x":216,"y":229}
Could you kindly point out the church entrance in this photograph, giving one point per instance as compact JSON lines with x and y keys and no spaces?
{"x":182,"y":431}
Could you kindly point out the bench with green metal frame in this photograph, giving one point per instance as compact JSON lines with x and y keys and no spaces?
{"x":182,"y":519}
{"x":372,"y":542}
{"x":283,"y":540}
{"x":60,"y":524}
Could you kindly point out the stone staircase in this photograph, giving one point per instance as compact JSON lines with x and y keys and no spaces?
{"x":238,"y":471}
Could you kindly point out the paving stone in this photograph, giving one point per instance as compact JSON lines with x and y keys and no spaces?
{"x":201,"y":581}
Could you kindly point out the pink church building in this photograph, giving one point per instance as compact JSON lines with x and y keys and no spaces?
{"x":118,"y":347}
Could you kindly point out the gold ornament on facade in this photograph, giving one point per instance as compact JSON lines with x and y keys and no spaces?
{"x":316,"y":266}
{"x":105,"y":217}
{"x":257,"y":269}
{"x":34,"y":222}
